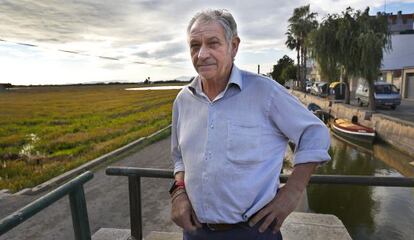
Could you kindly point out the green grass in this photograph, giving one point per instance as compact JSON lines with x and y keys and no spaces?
{"x":45,"y":131}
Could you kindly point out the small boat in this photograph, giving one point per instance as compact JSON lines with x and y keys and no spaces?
{"x":353,"y":131}
{"x":321,"y":114}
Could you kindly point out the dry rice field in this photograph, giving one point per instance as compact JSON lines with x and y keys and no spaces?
{"x":45,"y":131}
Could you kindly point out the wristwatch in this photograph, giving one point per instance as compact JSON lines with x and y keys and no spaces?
{"x":176,"y":184}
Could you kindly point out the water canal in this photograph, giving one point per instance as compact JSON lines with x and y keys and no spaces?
{"x":367,"y":212}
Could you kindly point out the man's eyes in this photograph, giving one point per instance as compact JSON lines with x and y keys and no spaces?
{"x":197,"y":45}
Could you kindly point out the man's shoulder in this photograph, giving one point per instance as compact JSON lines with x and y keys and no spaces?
{"x":183,"y":93}
{"x":262,"y":82}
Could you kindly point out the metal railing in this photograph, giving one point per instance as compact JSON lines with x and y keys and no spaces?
{"x":135,"y":174}
{"x":74,"y":189}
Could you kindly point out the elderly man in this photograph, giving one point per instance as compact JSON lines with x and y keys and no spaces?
{"x":229,"y":134}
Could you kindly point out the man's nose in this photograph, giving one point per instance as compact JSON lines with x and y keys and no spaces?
{"x":203,"y":53}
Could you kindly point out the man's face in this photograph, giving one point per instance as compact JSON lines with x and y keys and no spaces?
{"x":211,"y":54}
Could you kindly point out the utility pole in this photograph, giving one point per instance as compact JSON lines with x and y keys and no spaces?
{"x":258,"y":69}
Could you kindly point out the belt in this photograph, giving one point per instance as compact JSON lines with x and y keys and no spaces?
{"x":221,"y":226}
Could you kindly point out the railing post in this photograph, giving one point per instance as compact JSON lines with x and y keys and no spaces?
{"x":79,"y":214}
{"x":134,"y":183}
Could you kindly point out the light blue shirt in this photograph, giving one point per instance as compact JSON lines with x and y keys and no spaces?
{"x":231,"y":149}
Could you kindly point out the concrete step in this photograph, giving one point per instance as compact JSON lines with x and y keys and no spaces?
{"x":298,"y":226}
{"x":111,"y":234}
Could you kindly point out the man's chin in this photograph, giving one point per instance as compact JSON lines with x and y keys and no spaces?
{"x":206,"y":74}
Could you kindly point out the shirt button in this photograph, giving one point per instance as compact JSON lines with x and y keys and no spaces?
{"x":211,"y":126}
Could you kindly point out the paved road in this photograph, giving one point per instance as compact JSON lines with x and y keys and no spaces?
{"x":107,"y":202}
{"x":405,"y":111}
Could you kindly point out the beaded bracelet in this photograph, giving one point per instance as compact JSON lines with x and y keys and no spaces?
{"x":176,"y":193}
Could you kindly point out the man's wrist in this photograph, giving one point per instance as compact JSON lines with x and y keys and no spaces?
{"x":177,"y":184}
{"x":177,"y":189}
{"x":177,"y":193}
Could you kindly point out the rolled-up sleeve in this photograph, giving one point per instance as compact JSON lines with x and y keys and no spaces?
{"x":176,"y":156}
{"x":300,"y":126}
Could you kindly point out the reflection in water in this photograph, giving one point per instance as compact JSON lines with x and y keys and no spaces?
{"x":367,"y":212}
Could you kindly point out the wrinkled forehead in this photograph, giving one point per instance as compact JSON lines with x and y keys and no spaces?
{"x":210,"y":28}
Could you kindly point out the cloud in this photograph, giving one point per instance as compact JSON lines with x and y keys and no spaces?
{"x":150,"y":32}
{"x":114,"y":66}
{"x":164,"y":50}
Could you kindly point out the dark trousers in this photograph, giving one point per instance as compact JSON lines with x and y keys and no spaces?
{"x":241,"y":232}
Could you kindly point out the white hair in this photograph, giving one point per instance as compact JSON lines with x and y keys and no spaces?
{"x":222,"y":16}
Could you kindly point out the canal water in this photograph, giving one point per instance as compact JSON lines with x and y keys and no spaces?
{"x":367,"y":212}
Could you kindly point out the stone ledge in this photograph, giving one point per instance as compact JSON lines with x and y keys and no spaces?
{"x":313,"y":226}
{"x":111,"y":234}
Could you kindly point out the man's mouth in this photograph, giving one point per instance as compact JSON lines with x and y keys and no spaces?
{"x":205,"y":65}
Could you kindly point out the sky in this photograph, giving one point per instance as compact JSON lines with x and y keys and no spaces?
{"x":85,"y":41}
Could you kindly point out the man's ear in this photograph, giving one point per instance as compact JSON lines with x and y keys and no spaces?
{"x":235,"y":46}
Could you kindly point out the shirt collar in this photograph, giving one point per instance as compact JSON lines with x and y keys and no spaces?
{"x":235,"y":79}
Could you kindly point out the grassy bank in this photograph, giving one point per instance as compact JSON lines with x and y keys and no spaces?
{"x":45,"y":131}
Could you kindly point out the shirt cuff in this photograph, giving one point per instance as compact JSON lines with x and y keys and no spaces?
{"x":308,"y":156}
{"x":179,"y":167}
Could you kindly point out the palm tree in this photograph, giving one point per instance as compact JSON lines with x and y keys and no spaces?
{"x":301,"y":24}
{"x":292,"y":44}
{"x":309,"y":24}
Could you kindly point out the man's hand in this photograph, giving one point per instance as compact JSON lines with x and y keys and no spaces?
{"x":277,"y":210}
{"x":182,"y":213}
{"x":285,"y":200}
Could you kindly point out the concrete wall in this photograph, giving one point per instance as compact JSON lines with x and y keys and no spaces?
{"x":397,"y":132}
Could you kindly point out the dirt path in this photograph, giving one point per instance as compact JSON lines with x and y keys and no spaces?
{"x":107,"y":201}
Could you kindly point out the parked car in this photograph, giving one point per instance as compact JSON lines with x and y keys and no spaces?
{"x":289,"y":84}
{"x":314,"y":88}
{"x":319,"y":89}
{"x":308,"y":86}
{"x":385,"y":94}
{"x":323,"y":89}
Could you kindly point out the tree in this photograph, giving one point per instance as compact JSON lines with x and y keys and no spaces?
{"x":301,"y":24}
{"x":372,"y":39}
{"x":325,"y":46}
{"x":292,"y":44}
{"x":288,"y":73}
{"x":282,"y":71}
{"x":353,"y":44}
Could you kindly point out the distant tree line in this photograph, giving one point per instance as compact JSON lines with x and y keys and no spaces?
{"x":7,"y":85}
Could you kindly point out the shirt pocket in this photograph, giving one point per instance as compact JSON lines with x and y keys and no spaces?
{"x":243,"y":142}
